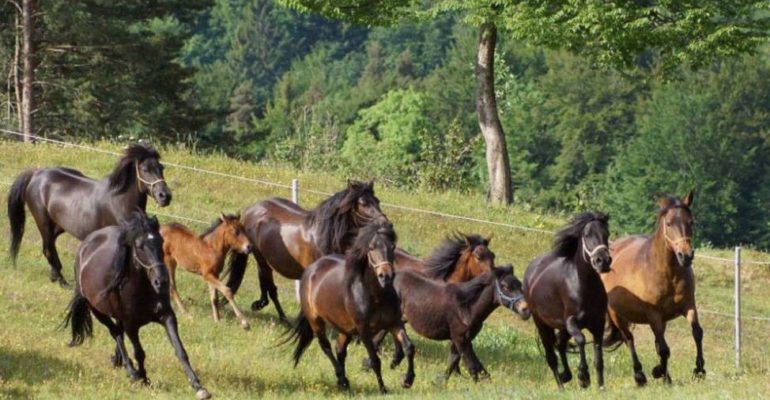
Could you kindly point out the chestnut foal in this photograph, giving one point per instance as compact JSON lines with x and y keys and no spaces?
{"x":205,"y":255}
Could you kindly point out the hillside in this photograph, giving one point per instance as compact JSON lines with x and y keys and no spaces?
{"x":35,"y":362}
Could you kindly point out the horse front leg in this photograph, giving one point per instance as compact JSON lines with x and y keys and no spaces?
{"x":169,"y":322}
{"x":117,"y":331}
{"x":661,"y":370}
{"x":561,"y":346}
{"x":596,"y":332}
{"x":697,"y":335}
{"x":571,"y":325}
{"x":366,"y":338}
{"x":404,"y":343}
{"x":133,"y":336}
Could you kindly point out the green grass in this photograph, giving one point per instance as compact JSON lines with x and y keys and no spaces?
{"x":36,"y":363}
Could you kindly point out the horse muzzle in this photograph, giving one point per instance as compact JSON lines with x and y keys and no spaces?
{"x":522,"y":308}
{"x":161,"y":194}
{"x":685,"y":259}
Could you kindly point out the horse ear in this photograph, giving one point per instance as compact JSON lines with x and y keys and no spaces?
{"x":468,"y":241}
{"x":370,"y":184}
{"x":687,"y":200}
{"x":488,"y":239}
{"x":222,"y":216}
{"x":663,"y":202}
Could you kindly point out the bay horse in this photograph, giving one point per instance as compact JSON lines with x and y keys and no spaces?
{"x":205,"y":255}
{"x":652,"y":282}
{"x":565,"y":293}
{"x":456,"y":311}
{"x":354,"y":295}
{"x":287,"y":238}
{"x":64,"y":200}
{"x":120,"y":275}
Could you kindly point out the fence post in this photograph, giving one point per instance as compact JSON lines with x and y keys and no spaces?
{"x":738,"y":308}
{"x":295,"y":200}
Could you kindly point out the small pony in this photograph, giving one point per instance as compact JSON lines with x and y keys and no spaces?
{"x":120,"y":274}
{"x":355,"y":295}
{"x":205,"y":255}
{"x":565,"y":293}
{"x":457,"y":311}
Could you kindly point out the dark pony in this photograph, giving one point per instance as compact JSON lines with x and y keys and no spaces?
{"x":122,"y":281}
{"x":444,"y":259}
{"x":565,"y":293}
{"x":355,"y":295}
{"x":287,"y":238}
{"x":64,"y":200}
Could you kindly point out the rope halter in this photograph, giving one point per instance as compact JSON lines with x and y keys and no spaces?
{"x":146,"y":182}
{"x":373,"y":264}
{"x":591,"y":253}
{"x":145,"y":266}
{"x":670,"y":241}
{"x":511,"y":300}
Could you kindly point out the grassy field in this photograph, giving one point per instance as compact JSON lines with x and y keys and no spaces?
{"x":36,"y":363}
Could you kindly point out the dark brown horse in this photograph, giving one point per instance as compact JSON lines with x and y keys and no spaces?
{"x":204,"y":255}
{"x":652,"y":282}
{"x":120,"y":274}
{"x":64,"y":200}
{"x":457,"y":311}
{"x":355,"y":296}
{"x":287,"y":238}
{"x":564,"y":292}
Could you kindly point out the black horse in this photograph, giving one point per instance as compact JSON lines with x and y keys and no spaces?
{"x":64,"y":200}
{"x":456,"y":311}
{"x":565,"y":293}
{"x":120,"y":274}
{"x":287,"y":238}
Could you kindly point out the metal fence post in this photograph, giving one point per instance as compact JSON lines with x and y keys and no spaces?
{"x":738,"y":308}
{"x":295,"y":200}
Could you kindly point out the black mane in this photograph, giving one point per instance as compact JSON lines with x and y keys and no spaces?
{"x":565,"y":242}
{"x":136,"y":225}
{"x":441,"y":263}
{"x":334,"y":220}
{"x":214,"y":225}
{"x":123,"y":175}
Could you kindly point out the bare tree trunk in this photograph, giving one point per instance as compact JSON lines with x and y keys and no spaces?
{"x":28,"y":53}
{"x":498,"y":164}
{"x":16,"y":81}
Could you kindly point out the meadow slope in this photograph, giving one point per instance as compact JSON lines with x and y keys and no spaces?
{"x":36,"y":363}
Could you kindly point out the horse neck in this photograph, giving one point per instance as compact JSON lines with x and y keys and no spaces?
{"x":216,"y":243}
{"x":132,"y":198}
{"x":485,"y":302}
{"x":582,"y":264}
{"x":461,"y":271}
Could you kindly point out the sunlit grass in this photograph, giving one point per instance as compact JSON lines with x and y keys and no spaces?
{"x":36,"y":363}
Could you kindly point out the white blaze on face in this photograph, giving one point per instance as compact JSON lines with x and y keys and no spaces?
{"x":150,"y":236}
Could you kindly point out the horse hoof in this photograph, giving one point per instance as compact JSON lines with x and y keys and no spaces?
{"x":658,"y":372}
{"x":343,"y":384}
{"x":699,"y":372}
{"x":640,"y":379}
{"x":116,"y":361}
{"x":259,"y":304}
{"x":202,"y":394}
{"x":565,"y":376}
{"x":383,"y":390}
{"x":245,"y":325}
{"x":407,"y":382}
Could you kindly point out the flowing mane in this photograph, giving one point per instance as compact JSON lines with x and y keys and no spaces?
{"x":441,"y":263}
{"x":565,"y":242}
{"x":123,"y":175}
{"x":135,"y":226}
{"x":335,"y":220}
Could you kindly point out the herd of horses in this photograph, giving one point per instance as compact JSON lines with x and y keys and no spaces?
{"x":353,"y":277}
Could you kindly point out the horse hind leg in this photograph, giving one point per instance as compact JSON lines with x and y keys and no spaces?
{"x":121,"y":354}
{"x":628,"y":337}
{"x":218,"y":285}
{"x":49,"y":232}
{"x":323,"y":341}
{"x":548,"y":338}
{"x":561,"y":346}
{"x":454,"y":362}
{"x":267,"y":287}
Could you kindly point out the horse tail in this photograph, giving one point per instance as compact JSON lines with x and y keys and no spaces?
{"x":614,"y":338}
{"x":302,"y":334}
{"x":16,"y":211}
{"x":79,"y":317}
{"x":237,"y":269}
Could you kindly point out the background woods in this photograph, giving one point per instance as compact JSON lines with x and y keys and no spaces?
{"x":587,"y":120}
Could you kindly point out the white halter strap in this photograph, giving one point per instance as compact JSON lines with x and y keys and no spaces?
{"x":146,"y":182}
{"x":591,"y":253}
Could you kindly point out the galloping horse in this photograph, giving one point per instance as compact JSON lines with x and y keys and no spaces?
{"x":64,"y":200}
{"x":355,"y":296}
{"x":205,"y":255}
{"x":652,"y":282}
{"x":287,"y":238}
{"x":119,"y":274}
{"x":457,"y":311}
{"x":564,"y":292}
{"x":459,"y":258}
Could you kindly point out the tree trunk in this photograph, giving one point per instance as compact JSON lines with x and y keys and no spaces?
{"x":28,"y":53}
{"x":498,"y":164}
{"x":16,"y":81}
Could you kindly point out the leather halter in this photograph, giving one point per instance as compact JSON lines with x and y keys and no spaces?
{"x":511,"y":300}
{"x":146,"y":182}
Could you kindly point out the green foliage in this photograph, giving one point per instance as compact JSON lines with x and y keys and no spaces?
{"x":708,"y":133}
{"x":446,"y":161}
{"x":384,"y":139}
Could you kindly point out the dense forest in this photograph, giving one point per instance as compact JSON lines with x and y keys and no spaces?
{"x":260,"y":81}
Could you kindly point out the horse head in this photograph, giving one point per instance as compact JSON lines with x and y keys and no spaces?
{"x":144,"y":239}
{"x":676,"y":220}
{"x":142,"y":163}
{"x":508,"y":291}
{"x":595,"y":243}
{"x":481,"y":259}
{"x":361,"y":203}
{"x":233,"y":233}
{"x":377,"y":242}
